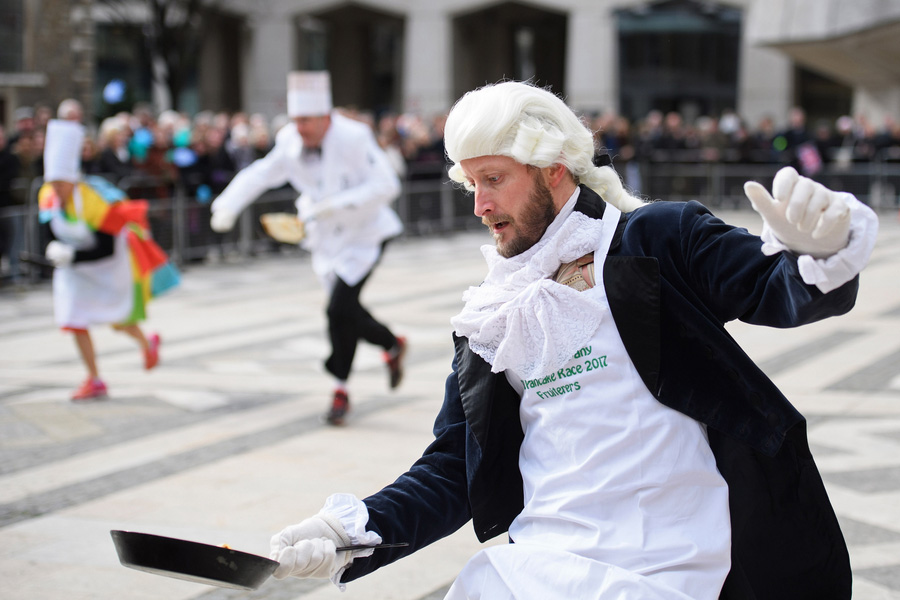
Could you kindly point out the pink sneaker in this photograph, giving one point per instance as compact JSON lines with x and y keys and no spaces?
{"x":151,"y":354}
{"x":91,"y":389}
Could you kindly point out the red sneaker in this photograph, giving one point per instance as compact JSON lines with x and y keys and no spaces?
{"x":151,"y":354}
{"x":91,"y":389}
{"x":394,"y":360}
{"x":340,"y":406}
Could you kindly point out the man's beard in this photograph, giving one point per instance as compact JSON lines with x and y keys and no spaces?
{"x":528,"y":229}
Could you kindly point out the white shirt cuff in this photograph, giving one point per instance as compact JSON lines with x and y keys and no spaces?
{"x":353,"y":516}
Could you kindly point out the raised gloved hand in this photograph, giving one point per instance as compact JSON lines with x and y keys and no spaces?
{"x":61,"y":255}
{"x":308,"y":548}
{"x":222,"y":221}
{"x":309,"y":208}
{"x":804,"y":215}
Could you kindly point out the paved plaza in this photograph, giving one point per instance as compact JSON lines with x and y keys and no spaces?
{"x":224,"y":443}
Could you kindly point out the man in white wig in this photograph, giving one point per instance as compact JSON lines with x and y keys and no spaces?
{"x":598,"y":412}
{"x":346,"y":185}
{"x":107,"y":265}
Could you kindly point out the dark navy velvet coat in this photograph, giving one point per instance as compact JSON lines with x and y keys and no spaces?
{"x":675,"y":274}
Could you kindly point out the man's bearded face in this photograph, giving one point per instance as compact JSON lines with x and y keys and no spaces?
{"x":514,"y":234}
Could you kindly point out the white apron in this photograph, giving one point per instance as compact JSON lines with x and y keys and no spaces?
{"x":623,"y":500}
{"x":91,"y":292}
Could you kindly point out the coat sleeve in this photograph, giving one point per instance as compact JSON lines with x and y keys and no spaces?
{"x":727,"y":270}
{"x":104,"y":245}
{"x":430,"y":500}
{"x":270,"y":171}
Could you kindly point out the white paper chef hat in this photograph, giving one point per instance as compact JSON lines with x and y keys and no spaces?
{"x":62,"y":150}
{"x":309,"y":93}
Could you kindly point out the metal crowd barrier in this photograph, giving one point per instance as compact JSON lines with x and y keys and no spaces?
{"x":428,"y":204}
{"x":722,"y":184}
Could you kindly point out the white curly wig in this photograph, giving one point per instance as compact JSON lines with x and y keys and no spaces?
{"x":532,"y":126}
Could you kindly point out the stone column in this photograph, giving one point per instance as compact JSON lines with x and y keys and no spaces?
{"x":877,"y":104}
{"x":765,"y":76}
{"x":765,"y":85}
{"x":427,"y":50}
{"x":84,"y":54}
{"x":592,"y":59}
{"x":268,"y":60}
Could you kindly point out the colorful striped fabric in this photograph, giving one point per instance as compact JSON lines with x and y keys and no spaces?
{"x":105,"y":208}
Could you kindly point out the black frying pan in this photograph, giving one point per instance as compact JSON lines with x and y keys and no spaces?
{"x":200,"y":563}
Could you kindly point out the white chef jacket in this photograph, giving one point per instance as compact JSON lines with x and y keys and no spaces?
{"x":352,"y":174}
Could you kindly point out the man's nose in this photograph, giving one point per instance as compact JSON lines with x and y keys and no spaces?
{"x":483,"y":203}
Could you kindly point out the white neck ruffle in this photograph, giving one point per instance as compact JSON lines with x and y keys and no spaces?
{"x":519,"y":319}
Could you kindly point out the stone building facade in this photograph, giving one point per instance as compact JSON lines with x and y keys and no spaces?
{"x":404,"y":55}
{"x":55,"y":59}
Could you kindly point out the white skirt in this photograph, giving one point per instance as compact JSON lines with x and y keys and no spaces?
{"x":95,"y":292}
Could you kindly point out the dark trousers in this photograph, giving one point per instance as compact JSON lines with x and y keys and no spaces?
{"x":349,"y":322}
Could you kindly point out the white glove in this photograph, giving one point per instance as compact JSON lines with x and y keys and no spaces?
{"x":222,"y":221}
{"x":61,"y":255}
{"x":309,"y":208}
{"x":308,"y":548}
{"x":804,"y":215}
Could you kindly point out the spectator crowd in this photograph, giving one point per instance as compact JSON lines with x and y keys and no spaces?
{"x":149,"y":154}
{"x":204,"y":151}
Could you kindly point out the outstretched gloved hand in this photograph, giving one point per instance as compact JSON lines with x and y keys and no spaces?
{"x":61,"y":255}
{"x":308,"y":548}
{"x":222,"y":221}
{"x":804,"y":215}
{"x":310,"y":208}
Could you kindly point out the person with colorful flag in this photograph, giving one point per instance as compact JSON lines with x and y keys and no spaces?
{"x":107,"y":265}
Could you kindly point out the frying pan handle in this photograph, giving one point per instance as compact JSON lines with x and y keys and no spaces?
{"x":375,"y":546}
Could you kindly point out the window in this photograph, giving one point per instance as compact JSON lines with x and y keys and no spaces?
{"x":678,"y":55}
{"x":12,"y":26}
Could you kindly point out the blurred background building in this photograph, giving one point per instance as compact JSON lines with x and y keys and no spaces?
{"x":697,"y":57}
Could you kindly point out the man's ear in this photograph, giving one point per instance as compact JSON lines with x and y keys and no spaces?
{"x":555,"y":174}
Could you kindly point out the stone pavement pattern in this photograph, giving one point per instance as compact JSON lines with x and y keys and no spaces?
{"x":223,"y":442}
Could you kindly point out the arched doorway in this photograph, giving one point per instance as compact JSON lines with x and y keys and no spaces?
{"x":509,"y":41}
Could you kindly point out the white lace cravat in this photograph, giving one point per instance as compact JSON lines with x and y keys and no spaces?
{"x":518,"y":318}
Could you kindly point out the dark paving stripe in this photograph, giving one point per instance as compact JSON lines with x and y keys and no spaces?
{"x":293,"y":588}
{"x":888,"y":576}
{"x":875,"y":377}
{"x":85,"y":491}
{"x":437,"y":594}
{"x":806,"y":352}
{"x":273,"y":589}
{"x":867,"y":481}
{"x":169,"y":342}
{"x":159,"y":417}
{"x":858,"y":533}
{"x":891,"y":313}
